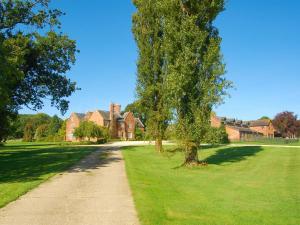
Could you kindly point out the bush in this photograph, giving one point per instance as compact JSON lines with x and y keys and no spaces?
{"x":88,"y":130}
{"x":139,"y":134}
{"x":28,"y":133}
{"x":216,"y":136}
{"x":41,"y":132}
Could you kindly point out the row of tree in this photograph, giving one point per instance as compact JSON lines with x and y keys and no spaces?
{"x":38,"y":127}
{"x":180,"y":69}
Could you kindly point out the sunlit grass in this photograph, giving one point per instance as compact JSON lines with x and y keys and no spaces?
{"x":241,"y":185}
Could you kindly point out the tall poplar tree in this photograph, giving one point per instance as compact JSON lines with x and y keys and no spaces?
{"x":148,"y":29}
{"x":195,"y":68}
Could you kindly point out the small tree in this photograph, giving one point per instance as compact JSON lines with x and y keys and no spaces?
{"x":54,"y":125}
{"x":29,"y":132}
{"x":88,"y":129}
{"x":61,"y":134}
{"x":287,"y":124}
{"x":41,"y":132}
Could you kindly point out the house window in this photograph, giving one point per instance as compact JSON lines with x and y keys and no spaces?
{"x":129,"y":126}
{"x":129,"y":135}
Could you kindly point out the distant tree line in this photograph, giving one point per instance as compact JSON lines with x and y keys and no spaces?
{"x":38,"y":127}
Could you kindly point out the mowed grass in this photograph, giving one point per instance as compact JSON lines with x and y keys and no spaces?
{"x":23,"y":166}
{"x":241,"y":185}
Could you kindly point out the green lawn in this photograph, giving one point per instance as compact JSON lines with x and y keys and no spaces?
{"x":24,"y":166}
{"x":241,"y":185}
{"x":270,"y":141}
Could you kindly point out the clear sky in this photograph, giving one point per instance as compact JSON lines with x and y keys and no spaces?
{"x":261,"y":48}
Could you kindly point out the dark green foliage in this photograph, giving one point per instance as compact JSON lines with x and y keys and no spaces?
{"x":33,"y":59}
{"x":216,"y":136}
{"x":55,"y":125}
{"x":139,"y":134}
{"x":18,"y":124}
{"x":41,"y":132}
{"x":39,"y":127}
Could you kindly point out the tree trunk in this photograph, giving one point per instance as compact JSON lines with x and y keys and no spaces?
{"x":158,"y":145}
{"x":191,"y":156}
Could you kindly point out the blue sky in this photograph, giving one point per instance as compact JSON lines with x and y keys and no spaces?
{"x":261,"y":48}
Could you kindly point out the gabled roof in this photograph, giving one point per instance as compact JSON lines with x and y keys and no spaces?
{"x":125,"y":115}
{"x":139,"y":122}
{"x":80,"y":115}
{"x":260,"y":123}
{"x":105,"y":114}
{"x":88,"y":115}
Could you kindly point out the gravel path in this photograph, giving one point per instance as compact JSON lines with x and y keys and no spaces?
{"x":93,"y":192}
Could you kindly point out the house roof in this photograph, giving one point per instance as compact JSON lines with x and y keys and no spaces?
{"x":88,"y":115}
{"x":105,"y":114}
{"x":125,"y":114}
{"x":139,"y":122}
{"x":80,"y":115}
{"x":259,"y":123}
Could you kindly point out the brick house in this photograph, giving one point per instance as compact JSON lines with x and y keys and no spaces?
{"x":120,"y":125}
{"x":241,"y":130}
{"x":263,"y":126}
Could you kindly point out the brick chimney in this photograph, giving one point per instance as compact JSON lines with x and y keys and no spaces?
{"x":114,"y":108}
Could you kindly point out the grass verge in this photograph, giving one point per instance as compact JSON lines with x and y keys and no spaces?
{"x":241,"y":185}
{"x":23,"y":166}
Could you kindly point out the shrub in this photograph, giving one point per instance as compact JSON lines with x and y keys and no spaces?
{"x":88,"y":129}
{"x":28,"y":132}
{"x":139,"y":134}
{"x":41,"y":132}
{"x":217,"y":136}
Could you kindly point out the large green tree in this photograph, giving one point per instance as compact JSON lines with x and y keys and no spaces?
{"x":34,"y":56}
{"x":195,"y":68}
{"x":148,"y":32}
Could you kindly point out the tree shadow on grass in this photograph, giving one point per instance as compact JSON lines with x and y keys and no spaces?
{"x":232,"y":154}
{"x":28,"y":165}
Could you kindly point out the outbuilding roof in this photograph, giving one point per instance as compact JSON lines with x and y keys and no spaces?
{"x":260,"y":123}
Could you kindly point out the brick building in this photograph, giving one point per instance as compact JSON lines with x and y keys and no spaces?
{"x":241,"y":130}
{"x":264,"y":127}
{"x":120,"y":125}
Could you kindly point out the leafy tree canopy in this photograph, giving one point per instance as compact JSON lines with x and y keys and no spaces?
{"x":34,"y":56}
{"x":265,"y":118}
{"x":287,"y":124}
